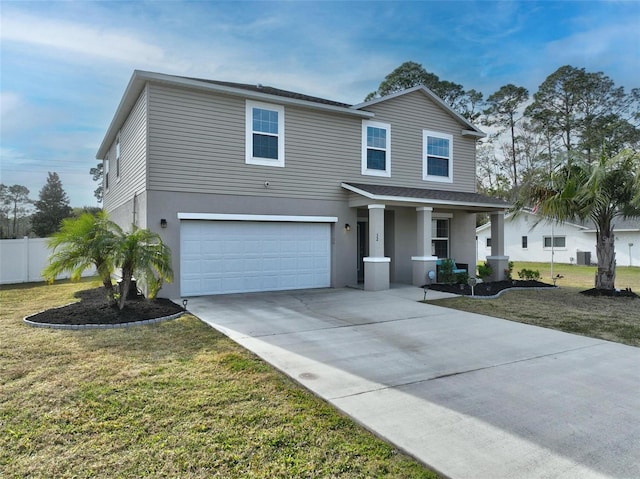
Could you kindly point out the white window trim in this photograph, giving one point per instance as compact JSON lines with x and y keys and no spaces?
{"x":427,"y":177}
{"x":250,"y":159}
{"x":371,"y":172}
{"x":434,"y":232}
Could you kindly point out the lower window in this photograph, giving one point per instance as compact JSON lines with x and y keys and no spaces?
{"x":440,"y":238}
{"x":555,"y":241}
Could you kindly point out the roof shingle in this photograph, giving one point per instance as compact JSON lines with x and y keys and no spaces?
{"x":273,"y":91}
{"x":429,"y":194}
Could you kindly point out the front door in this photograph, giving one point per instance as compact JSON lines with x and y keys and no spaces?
{"x":363,"y":247}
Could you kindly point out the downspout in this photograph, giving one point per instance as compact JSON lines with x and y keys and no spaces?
{"x":135,"y":204}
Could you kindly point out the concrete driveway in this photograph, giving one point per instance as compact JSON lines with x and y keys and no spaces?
{"x":469,"y":395}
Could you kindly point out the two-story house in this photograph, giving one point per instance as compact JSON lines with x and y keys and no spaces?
{"x":258,"y":189}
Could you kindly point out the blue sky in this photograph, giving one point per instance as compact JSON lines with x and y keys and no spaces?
{"x":65,"y":65}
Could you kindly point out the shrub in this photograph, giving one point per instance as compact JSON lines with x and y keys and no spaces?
{"x":509,"y":271}
{"x":529,"y":274}
{"x":484,"y":270}
{"x":447,"y":275}
{"x":462,"y":278}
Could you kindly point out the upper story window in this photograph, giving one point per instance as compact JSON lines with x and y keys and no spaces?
{"x":376,"y":148}
{"x":437,"y":161}
{"x":264,"y":134}
{"x":118,"y":157}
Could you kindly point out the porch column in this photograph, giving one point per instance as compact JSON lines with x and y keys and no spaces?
{"x":423,"y":262}
{"x":498,"y":261}
{"x":376,"y":265}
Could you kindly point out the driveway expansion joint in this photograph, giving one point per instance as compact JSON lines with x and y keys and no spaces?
{"x":342,"y":326}
{"x":459,"y":373}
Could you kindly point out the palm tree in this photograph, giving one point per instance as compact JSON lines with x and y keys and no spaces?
{"x":600,"y":191}
{"x":81,"y":243}
{"x":141,"y":253}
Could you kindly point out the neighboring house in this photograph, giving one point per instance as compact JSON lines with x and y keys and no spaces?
{"x":528,"y":237}
{"x":256,"y":189}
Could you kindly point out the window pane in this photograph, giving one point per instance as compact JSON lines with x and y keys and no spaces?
{"x":488,"y":242}
{"x":442,"y":228}
{"x":437,"y":166}
{"x":437,"y":146}
{"x":376,"y":137}
{"x":440,"y":248}
{"x":265,"y":146}
{"x":376,"y":159}
{"x":558,"y":241}
{"x":525,"y":242}
{"x":265,"y":121}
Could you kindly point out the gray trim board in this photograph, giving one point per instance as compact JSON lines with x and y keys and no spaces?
{"x":423,"y":195}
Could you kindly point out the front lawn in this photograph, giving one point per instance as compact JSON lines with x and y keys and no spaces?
{"x":581,"y":276}
{"x":174,"y":399}
{"x":565,"y":309}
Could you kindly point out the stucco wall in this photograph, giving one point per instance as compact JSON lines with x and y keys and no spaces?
{"x":463,"y":226}
{"x":168,"y":204}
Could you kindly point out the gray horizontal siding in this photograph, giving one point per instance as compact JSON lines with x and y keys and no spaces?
{"x":197,"y":144}
{"x":409,"y":115}
{"x":133,"y":149}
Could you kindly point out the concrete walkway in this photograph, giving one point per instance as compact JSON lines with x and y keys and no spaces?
{"x":469,"y":395}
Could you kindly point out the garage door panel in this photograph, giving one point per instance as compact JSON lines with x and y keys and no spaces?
{"x":220,"y":257}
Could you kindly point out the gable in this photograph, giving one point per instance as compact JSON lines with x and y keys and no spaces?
{"x":466,"y":127}
{"x":410,"y":116}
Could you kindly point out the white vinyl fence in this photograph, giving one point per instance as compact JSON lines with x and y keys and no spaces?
{"x":22,"y":260}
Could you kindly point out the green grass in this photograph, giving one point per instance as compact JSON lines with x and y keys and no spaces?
{"x":581,"y":276}
{"x":565,"y":309}
{"x":175,"y":399}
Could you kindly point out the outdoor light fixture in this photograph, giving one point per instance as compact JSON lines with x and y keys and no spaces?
{"x":163,"y":223}
{"x":347,"y":227}
{"x":184,"y":304}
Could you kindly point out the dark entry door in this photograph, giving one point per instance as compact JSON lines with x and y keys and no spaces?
{"x":363,"y":247}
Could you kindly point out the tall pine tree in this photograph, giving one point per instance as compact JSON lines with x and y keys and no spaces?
{"x":51,"y":208}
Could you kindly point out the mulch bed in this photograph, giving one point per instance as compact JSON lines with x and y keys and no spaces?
{"x":489,"y":288}
{"x":93,"y":308}
{"x":611,"y":293}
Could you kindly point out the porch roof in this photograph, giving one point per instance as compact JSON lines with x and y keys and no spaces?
{"x":426,"y":196}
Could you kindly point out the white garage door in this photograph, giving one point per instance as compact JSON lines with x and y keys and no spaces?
{"x":220,"y":257}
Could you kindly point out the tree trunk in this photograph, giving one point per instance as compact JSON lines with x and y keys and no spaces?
{"x":125,"y":284}
{"x":108,"y":285}
{"x":605,"y":251}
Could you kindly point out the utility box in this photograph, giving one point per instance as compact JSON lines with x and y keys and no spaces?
{"x":584,"y":258}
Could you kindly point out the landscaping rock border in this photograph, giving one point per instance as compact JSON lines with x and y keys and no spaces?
{"x":36,"y":324}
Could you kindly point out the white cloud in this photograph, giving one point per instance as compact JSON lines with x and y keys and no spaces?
{"x":9,"y":102}
{"x":75,"y":38}
{"x":610,"y":48}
